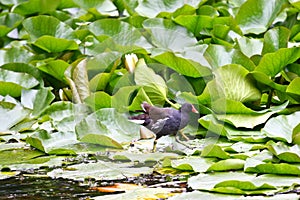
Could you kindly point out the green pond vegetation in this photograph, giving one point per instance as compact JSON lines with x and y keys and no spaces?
{"x":72,"y":71}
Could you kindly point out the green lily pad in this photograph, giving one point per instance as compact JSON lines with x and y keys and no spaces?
{"x":168,"y":36}
{"x":272,"y":63}
{"x":99,"y":170}
{"x":108,"y":122}
{"x":51,"y":44}
{"x":153,"y":84}
{"x":47,"y":25}
{"x":285,"y":152}
{"x":152,"y":8}
{"x":52,"y":142}
{"x":231,"y":83}
{"x":261,"y":164}
{"x":11,"y":114}
{"x":8,"y":22}
{"x":196,"y":164}
{"x":241,"y":183}
{"x":275,"y":39}
{"x":218,"y":56}
{"x":182,"y":65}
{"x":281,"y":127}
{"x":256,"y":16}
{"x":121,"y":32}
{"x":206,"y":195}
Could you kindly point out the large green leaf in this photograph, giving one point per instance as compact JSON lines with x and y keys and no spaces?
{"x":37,"y":100}
{"x":196,"y":24}
{"x":240,"y":116}
{"x":275,"y":39}
{"x":102,"y":6}
{"x":11,"y":114}
{"x":183,"y":66}
{"x":55,"y":68}
{"x":64,"y":115}
{"x":13,"y":82}
{"x":51,"y":44}
{"x":272,"y":63}
{"x":100,"y":170}
{"x":218,"y":56}
{"x":53,"y":143}
{"x":47,"y":25}
{"x":101,"y":62}
{"x":8,"y":22}
{"x":217,"y":196}
{"x":152,"y":8}
{"x":250,"y":46}
{"x":221,"y":128}
{"x":285,"y":152}
{"x":16,"y":53}
{"x":241,"y":183}
{"x":281,"y":127}
{"x":293,"y":89}
{"x":154,"y":85}
{"x":36,"y":6}
{"x":23,"y":79}
{"x":121,"y":32}
{"x":14,"y":156}
{"x":261,"y":164}
{"x":196,"y":164}
{"x":109,"y":123}
{"x":167,"y":36}
{"x":255,"y":16}
{"x":231,"y":82}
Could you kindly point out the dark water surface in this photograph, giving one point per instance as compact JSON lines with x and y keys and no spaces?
{"x":35,"y":188}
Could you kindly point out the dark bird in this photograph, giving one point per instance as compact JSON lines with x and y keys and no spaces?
{"x":165,"y":121}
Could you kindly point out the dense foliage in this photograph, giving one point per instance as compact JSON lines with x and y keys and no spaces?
{"x":67,"y":85}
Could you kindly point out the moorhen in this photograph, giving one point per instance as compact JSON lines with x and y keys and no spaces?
{"x":165,"y":121}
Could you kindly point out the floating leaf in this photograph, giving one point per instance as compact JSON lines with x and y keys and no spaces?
{"x":37,"y":100}
{"x":275,"y":39}
{"x":11,"y":114}
{"x":153,"y":84}
{"x":152,"y":8}
{"x":109,"y":123}
{"x":218,"y":56}
{"x":272,"y":63}
{"x":47,"y":25}
{"x":51,"y":44}
{"x":196,"y":164}
{"x":168,"y":36}
{"x":281,"y":127}
{"x":232,"y":83}
{"x":284,"y":152}
{"x":99,"y":171}
{"x":256,"y":16}
{"x":52,"y":143}
{"x":121,"y":32}
{"x":183,"y":66}
{"x":241,"y":183}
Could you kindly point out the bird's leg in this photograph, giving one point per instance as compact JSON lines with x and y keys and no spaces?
{"x":183,"y":135}
{"x":154,"y":146}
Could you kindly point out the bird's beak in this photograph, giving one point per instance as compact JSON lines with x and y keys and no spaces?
{"x":194,"y":110}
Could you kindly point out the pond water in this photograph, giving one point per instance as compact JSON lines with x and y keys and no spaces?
{"x":36,"y":188}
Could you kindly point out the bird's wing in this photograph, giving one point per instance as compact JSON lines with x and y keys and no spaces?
{"x":156,"y":113}
{"x":158,"y":125}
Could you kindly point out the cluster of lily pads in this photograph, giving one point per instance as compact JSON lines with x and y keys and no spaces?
{"x":71,"y":72}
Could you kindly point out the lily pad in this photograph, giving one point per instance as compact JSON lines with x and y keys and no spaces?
{"x":285,"y":152}
{"x":281,"y":127}
{"x":109,"y":123}
{"x":256,"y":16}
{"x":99,"y":170}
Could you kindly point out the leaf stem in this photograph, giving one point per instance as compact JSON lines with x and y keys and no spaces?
{"x":270,"y":98}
